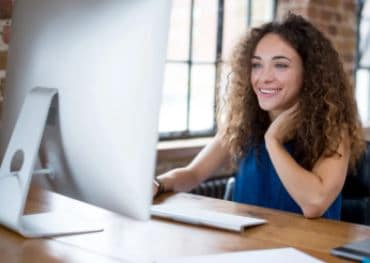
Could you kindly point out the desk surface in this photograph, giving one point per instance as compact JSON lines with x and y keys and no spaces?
{"x":126,"y":240}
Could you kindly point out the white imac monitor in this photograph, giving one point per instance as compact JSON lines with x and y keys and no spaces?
{"x":98,"y":66}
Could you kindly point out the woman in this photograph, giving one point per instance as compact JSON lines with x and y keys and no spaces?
{"x":290,"y":123}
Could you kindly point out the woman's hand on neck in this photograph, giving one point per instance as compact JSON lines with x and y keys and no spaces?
{"x":283,"y":125}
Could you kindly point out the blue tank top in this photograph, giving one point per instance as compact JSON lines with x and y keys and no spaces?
{"x":257,"y":183}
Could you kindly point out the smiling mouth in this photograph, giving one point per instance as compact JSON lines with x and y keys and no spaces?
{"x":269,"y":91}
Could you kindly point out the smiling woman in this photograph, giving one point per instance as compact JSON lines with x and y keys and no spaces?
{"x":289,"y":123}
{"x":285,"y":142}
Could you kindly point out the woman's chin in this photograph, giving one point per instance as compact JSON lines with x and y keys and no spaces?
{"x":268,"y":107}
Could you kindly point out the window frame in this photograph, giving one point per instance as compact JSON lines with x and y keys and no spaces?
{"x":187,"y":133}
{"x":358,"y":66}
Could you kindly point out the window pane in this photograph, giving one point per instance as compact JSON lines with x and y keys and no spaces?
{"x":203,"y":38}
{"x":178,"y":38}
{"x":366,"y":9}
{"x":235,"y":24}
{"x":174,"y":99}
{"x":204,"y":30}
{"x":262,"y":11}
{"x":202,"y":97}
{"x":365,"y":47}
{"x":225,"y":79}
{"x":363,"y":94}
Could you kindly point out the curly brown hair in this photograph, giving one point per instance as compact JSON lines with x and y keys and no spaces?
{"x":327,"y":108}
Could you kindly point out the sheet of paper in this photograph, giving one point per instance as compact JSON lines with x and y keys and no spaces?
{"x":276,"y":255}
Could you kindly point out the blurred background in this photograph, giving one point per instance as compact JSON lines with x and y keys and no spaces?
{"x":201,"y":39}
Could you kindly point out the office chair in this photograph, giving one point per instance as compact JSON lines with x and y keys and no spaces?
{"x":356,"y":192}
{"x":215,"y":187}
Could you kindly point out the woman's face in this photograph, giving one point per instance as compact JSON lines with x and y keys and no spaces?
{"x":276,"y":74}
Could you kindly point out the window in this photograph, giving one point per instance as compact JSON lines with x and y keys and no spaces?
{"x":202,"y":35}
{"x":363,"y":62}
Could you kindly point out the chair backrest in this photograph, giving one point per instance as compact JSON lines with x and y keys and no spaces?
{"x":356,"y":192}
{"x":228,"y":195}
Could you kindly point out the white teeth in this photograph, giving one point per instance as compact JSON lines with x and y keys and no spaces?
{"x":269,"y":91}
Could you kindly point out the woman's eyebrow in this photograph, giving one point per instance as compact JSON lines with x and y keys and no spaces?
{"x":273,"y":58}
{"x":281,"y":57}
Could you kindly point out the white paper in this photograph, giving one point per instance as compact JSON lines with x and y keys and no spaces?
{"x":204,"y":217}
{"x":276,"y":255}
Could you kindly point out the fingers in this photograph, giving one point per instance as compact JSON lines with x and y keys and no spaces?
{"x":155,"y":189}
{"x":292,"y":109}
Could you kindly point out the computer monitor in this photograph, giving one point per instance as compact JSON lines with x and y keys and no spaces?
{"x":105,"y":61}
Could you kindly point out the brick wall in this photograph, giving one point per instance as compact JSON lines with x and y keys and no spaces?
{"x":5,"y":14}
{"x":335,"y":18}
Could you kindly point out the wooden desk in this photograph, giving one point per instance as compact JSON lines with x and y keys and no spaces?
{"x":126,"y":240}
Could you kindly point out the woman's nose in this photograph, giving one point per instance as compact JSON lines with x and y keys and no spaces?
{"x":267,"y":75}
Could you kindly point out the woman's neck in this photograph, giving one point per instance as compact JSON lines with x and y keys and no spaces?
{"x":273,"y":115}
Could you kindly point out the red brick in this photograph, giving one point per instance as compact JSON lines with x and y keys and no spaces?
{"x":5,"y":9}
{"x":6,"y":33}
{"x":332,"y":30}
{"x":3,"y":56}
{"x":338,"y":17}
{"x":327,"y":15}
{"x":348,"y":57}
{"x":349,"y":5}
{"x":347,"y":32}
{"x":326,"y":3}
{"x":313,"y":12}
{"x":345,"y":44}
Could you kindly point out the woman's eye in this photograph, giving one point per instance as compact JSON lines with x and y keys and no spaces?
{"x":256,"y":65}
{"x":281,"y":65}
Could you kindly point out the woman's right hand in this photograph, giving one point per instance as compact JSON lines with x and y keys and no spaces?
{"x":158,"y":187}
{"x":283,"y":128}
{"x":205,"y":163}
{"x":174,"y":180}
{"x":155,"y":188}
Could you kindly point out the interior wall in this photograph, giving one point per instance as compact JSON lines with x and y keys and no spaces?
{"x":335,"y":18}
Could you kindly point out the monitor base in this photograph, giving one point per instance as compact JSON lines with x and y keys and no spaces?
{"x":55,"y":224}
{"x":17,"y":167}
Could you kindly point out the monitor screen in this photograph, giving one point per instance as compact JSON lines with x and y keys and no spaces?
{"x":106,"y":61}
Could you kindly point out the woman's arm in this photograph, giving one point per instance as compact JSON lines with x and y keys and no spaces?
{"x":204,"y":164}
{"x":314,"y":191}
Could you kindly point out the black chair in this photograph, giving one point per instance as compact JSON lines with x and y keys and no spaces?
{"x":214,"y":187}
{"x":356,"y":192}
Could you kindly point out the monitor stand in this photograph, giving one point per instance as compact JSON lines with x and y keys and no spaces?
{"x":17,"y":169}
